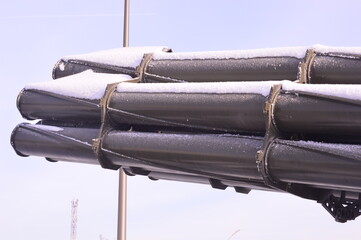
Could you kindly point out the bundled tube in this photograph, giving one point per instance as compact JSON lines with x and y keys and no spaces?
{"x":316,"y":64}
{"x":161,"y":65}
{"x":75,"y":144}
{"x":213,"y":156}
{"x":212,"y":118}
{"x":310,"y":110}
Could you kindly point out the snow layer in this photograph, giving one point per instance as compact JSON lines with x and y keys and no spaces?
{"x":348,"y":91}
{"x":48,"y":128}
{"x":86,"y":85}
{"x":297,"y":52}
{"x":262,"y":88}
{"x":346,"y":50}
{"x":132,"y":56}
{"x":124,"y":57}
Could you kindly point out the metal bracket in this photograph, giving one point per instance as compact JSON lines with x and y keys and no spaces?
{"x":106,"y":125}
{"x":341,"y":209}
{"x":304,"y":73}
{"x":271,"y":134}
{"x":147,"y":58}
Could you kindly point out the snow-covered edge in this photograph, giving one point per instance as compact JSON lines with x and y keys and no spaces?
{"x":347,"y":91}
{"x":297,"y":52}
{"x":125,"y":57}
{"x":342,"y":50}
{"x":262,"y":88}
{"x":132,"y":56}
{"x":85,"y":85}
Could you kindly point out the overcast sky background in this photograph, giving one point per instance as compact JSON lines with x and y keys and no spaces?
{"x":35,"y":194}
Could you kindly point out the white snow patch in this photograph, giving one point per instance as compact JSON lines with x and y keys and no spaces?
{"x":348,"y":91}
{"x":297,"y":52}
{"x":86,"y":85}
{"x":124,"y":57}
{"x":62,"y":66}
{"x":346,"y":50}
{"x":262,"y":88}
{"x":48,"y":128}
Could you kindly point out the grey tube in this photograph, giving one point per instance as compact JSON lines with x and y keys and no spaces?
{"x":223,"y":159}
{"x":194,"y":70}
{"x":228,"y":112}
{"x":220,"y":109}
{"x":218,"y":155}
{"x":222,"y":70}
{"x":70,"y":144}
{"x":305,"y":113}
{"x":317,"y":165}
{"x":211,"y":111}
{"x":36,"y":104}
{"x":73,"y":144}
{"x":321,"y":165}
{"x":313,"y":115}
{"x":336,"y":68}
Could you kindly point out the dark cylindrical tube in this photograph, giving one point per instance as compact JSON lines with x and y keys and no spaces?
{"x":322,"y":165}
{"x":36,"y":104}
{"x":56,"y":143}
{"x":224,"y":111}
{"x":222,"y":70}
{"x":75,"y":145}
{"x":218,"y":155}
{"x":216,"y":107}
{"x":297,"y":112}
{"x":336,"y":69}
{"x":223,"y":159}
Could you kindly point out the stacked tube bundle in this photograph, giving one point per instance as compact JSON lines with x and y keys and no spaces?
{"x":285,"y":120}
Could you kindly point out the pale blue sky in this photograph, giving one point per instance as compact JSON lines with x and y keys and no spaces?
{"x":35,"y":194}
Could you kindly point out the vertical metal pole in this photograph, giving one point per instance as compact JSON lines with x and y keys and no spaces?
{"x":122,"y":193}
{"x":122,"y":205}
{"x":126,"y":23}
